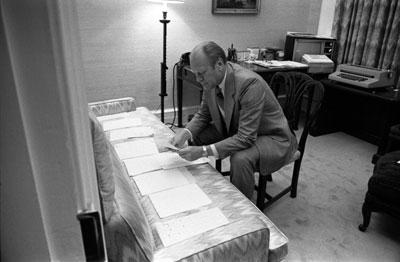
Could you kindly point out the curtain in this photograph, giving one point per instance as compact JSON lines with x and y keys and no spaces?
{"x":368,"y":34}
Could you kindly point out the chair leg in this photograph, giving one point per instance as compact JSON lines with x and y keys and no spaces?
{"x":262,"y":186}
{"x":218,"y":165}
{"x":295,"y":178}
{"x":366,"y":212}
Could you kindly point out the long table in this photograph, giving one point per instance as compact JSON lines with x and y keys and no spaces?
{"x":241,"y":212}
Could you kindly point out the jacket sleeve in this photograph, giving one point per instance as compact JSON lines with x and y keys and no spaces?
{"x":250,"y":100}
{"x":201,"y":119}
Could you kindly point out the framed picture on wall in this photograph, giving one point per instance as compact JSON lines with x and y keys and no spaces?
{"x":235,"y":6}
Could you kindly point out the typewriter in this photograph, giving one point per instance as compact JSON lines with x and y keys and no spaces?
{"x":362,"y":76}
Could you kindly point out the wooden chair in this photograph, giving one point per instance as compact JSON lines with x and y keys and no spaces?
{"x":300,"y":97}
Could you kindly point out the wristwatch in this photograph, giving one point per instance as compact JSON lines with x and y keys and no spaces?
{"x":205,"y":154}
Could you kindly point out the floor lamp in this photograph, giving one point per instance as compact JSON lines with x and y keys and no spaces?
{"x":164,"y":68}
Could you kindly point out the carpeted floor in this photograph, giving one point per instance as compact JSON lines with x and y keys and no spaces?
{"x":322,"y":222}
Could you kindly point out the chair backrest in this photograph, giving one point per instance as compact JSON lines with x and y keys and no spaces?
{"x":302,"y":97}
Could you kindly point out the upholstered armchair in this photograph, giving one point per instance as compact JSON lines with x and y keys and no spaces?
{"x":383,"y":193}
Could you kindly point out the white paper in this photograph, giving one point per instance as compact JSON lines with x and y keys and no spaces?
{"x":121,"y":123}
{"x":176,"y":230}
{"x":136,"y":148}
{"x":275,"y":63}
{"x":160,"y":180}
{"x":177,"y":200}
{"x":130,"y":132}
{"x":112,"y":117}
{"x":173,"y":160}
{"x":165,"y":143}
{"x":139,"y":165}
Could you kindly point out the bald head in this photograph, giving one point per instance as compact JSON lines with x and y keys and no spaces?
{"x":210,"y":50}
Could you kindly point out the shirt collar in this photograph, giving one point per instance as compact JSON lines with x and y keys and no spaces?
{"x":222,"y":84}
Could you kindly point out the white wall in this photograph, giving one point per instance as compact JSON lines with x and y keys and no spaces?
{"x":122,"y":40}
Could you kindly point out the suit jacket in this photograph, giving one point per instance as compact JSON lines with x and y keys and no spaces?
{"x":253,"y":116}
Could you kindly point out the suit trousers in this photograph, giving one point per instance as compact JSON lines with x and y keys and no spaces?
{"x":243,"y":163}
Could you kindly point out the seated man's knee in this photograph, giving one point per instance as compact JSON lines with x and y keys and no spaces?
{"x":240,"y":158}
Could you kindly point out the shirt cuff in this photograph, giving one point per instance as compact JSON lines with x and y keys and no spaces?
{"x":214,"y":150}
{"x":190,"y":134}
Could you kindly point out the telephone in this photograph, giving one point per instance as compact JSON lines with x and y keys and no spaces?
{"x":185,"y":60}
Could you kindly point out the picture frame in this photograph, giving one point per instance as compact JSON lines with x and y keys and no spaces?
{"x":235,"y":6}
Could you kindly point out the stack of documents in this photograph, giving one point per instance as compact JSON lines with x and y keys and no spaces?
{"x":121,"y":123}
{"x":161,"y":180}
{"x":112,"y":117}
{"x":136,"y":148}
{"x":283,"y":64}
{"x":173,"y":160}
{"x":130,"y":132}
{"x":177,"y":200}
{"x":179,"y":229}
{"x":165,"y":160}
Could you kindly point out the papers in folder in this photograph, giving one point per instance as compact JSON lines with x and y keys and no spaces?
{"x":131,"y":132}
{"x":121,"y":123}
{"x":173,"y":160}
{"x":163,"y":179}
{"x":177,"y":200}
{"x":176,"y":230}
{"x":135,"y":148}
{"x":112,"y":116}
{"x":140,"y":165}
{"x":165,"y":160}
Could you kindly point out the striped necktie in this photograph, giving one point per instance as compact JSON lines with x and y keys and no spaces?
{"x":220,"y":100}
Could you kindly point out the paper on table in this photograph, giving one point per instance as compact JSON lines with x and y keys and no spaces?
{"x":131,"y":132}
{"x":178,"y":229}
{"x":165,"y":143}
{"x":173,"y":160}
{"x":135,"y":148}
{"x":112,"y":117}
{"x":177,"y":200}
{"x":121,"y":123}
{"x":162,"y":179}
{"x":139,"y":165}
{"x":275,"y":63}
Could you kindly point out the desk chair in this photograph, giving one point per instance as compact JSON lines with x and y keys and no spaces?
{"x":300,"y":96}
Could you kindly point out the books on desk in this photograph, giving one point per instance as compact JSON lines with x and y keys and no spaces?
{"x":278,"y":64}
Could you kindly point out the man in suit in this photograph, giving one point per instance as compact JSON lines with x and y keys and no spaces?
{"x":239,"y":117}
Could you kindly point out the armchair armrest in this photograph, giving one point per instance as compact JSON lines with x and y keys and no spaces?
{"x":113,"y":106}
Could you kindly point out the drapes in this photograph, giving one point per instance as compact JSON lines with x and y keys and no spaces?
{"x":368,"y":33}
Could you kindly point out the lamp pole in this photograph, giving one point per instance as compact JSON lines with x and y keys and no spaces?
{"x":164,"y":67}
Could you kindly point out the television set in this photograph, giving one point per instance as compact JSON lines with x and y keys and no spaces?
{"x":297,"y":44}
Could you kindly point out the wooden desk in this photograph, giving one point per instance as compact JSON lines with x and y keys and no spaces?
{"x":185,"y":76}
{"x":360,"y":112}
